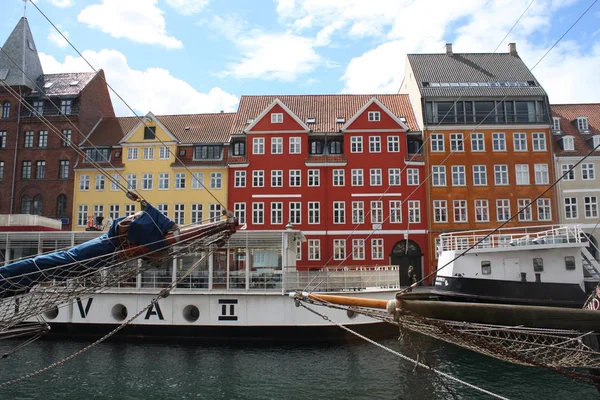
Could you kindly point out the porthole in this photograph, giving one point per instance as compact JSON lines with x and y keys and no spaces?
{"x":52,"y":314}
{"x":119,"y":312}
{"x":191,"y":313}
{"x":351,"y":314}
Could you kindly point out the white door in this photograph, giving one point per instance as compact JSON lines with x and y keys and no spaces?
{"x":512,"y":270}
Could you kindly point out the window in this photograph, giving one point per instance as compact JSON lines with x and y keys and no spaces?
{"x":82,"y":214}
{"x":40,"y":170}
{"x":356,"y":144}
{"x":486,"y":268}
{"x":258,"y":145}
{"x":37,"y":205}
{"x":568,"y":174}
{"x":335,"y":146}
{"x":208,"y":152}
{"x":216,"y":180}
{"x":114,"y":211}
{"x":239,"y":212}
{"x":66,"y":106}
{"x":129,"y":209}
{"x":295,"y":177}
{"x":277,"y":178}
{"x":499,"y":141}
{"x":458,"y":175}
{"x":437,"y":142}
{"x":239,"y":179}
{"x":132,"y":153}
{"x":239,"y":148}
{"x":556,"y":124}
{"x":539,"y":141}
{"x":524,"y":209}
{"x":377,"y":212}
{"x":503,"y":209}
{"x":163,"y":208}
{"x":375,"y":177}
{"x":38,"y":107}
{"x":314,"y":249}
{"x":457,"y":142}
{"x":482,"y":213}
{"x":393,"y":144}
{"x":147,"y":180}
{"x":98,"y":211}
{"x":544,"y":210}
{"x":67,"y":137}
{"x":520,"y":141}
{"x":412,"y":176}
{"x":522,"y":174}
{"x":295,"y":212}
{"x":358,"y":212}
{"x":339,"y":212}
{"x":596,"y":142}
{"x":395,"y":211}
{"x":439,"y":175}
{"x":61,"y":205}
{"x":163,"y":181}
{"x":568,"y":143}
{"x":84,"y":182}
{"x":479,"y":175}
{"x":357,"y":177}
{"x":338,"y":177}
{"x":414,"y":211}
{"x":590,"y":204}
{"x":179,"y":214}
{"x":198,"y":180}
{"x":258,"y":178}
{"x":501,"y":175}
{"x":587,"y":172}
{"x":339,"y":249}
{"x":477,"y":142}
{"x":316,"y":146}
{"x":214,"y":212}
{"x":394,"y":176}
{"x":149,"y":132}
{"x":164,"y":153}
{"x":460,"y":211}
{"x":541,"y":174}
{"x":377,"y":249}
{"x":374,"y":116}
{"x":131,"y":182}
{"x":276,"y":213}
{"x":26,"y":170}
{"x":115,"y":182}
{"x":148,"y":153}
{"x":43,"y":139}
{"x":1,"y":170}
{"x":295,"y":147}
{"x":180,"y":180}
{"x":2,"y":139}
{"x":570,"y":263}
{"x":358,"y":249}
{"x":276,"y":118}
{"x":374,"y":144}
{"x":314,"y":214}
{"x":277,"y":145}
{"x":258,"y":213}
{"x":440,"y":211}
{"x":26,"y":205}
{"x":314,"y":177}
{"x":570,"y":207}
{"x":5,"y":110}
{"x":582,"y":124}
{"x":97,"y":155}
{"x":29,"y":139}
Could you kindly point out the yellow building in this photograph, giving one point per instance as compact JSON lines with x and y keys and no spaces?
{"x":175,"y":162}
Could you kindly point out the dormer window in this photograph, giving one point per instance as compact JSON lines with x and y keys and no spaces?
{"x":596,"y":142}
{"x":66,"y":106}
{"x":239,"y":148}
{"x":276,"y":118}
{"x":316,"y":147}
{"x":555,"y":125}
{"x":374,"y":116}
{"x":340,"y":120}
{"x":311,"y":120}
{"x":48,"y":85}
{"x":38,"y":107}
{"x":149,"y":132}
{"x":568,"y":143}
{"x":582,"y":124}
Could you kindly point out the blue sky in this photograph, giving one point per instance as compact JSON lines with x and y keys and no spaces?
{"x":187,"y":56}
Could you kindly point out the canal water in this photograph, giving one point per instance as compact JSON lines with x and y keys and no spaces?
{"x":159,"y":370}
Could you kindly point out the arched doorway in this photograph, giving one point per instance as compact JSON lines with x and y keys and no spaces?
{"x":404,"y":254}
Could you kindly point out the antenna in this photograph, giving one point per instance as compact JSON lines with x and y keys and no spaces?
{"x":24,"y":8}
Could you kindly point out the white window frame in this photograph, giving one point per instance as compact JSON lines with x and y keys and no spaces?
{"x":197,"y":213}
{"x":100,"y":183}
{"x":314,"y":212}
{"x":374,"y":116}
{"x":375,"y":178}
{"x":164,"y":153}
{"x":314,"y":249}
{"x":358,"y":249}
{"x":277,"y":118}
{"x":314,"y":178}
{"x":339,"y":212}
{"x":395,"y":211}
{"x":180,"y":180}
{"x":163,"y":180}
{"x":258,"y":145}
{"x":394,"y":176}
{"x":376,"y":212}
{"x":239,"y":179}
{"x":520,"y":141}
{"x":197,"y":180}
{"x":412,"y":175}
{"x":568,"y":143}
{"x":132,"y":153}
{"x":498,"y":141}
{"x":276,"y":178}
{"x":258,"y":213}
{"x":339,"y":178}
{"x":179,"y":213}
{"x":377,"y":249}
{"x":339,"y":249}
{"x":295,"y":178}
{"x":277,"y":213}
{"x":582,"y":124}
{"x":501,"y":175}
{"x":148,"y":153}
{"x":482,"y":210}
{"x":393,"y":143}
{"x":571,"y":210}
{"x":295,"y":145}
{"x":258,"y":178}
{"x":216,"y":180}
{"x":502,"y":210}
{"x":525,"y":212}
{"x":460,"y":211}
{"x":438,"y":175}
{"x":457,"y":142}
{"x":414,"y":211}
{"x":541,"y":174}
{"x":358,"y":212}
{"x":277,"y":145}
{"x":590,"y":206}
{"x":539,"y":141}
{"x":459,"y":175}
{"x":565,"y":174}
{"x":440,"y":211}
{"x":544,"y":209}
{"x":588,"y":172}
{"x":479,"y":175}
{"x":356,"y":144}
{"x":522,"y":171}
{"x":437,"y":143}
{"x":374,"y":144}
{"x":295,"y":212}
{"x":477,"y":142}
{"x":357,"y":177}
{"x":84,"y":182}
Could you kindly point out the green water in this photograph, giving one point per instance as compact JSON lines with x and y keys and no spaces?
{"x":151,"y":370}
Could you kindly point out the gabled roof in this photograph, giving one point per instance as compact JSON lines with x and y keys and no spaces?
{"x":487,"y":68}
{"x":277,"y":102}
{"x":20,"y":49}
{"x":324,"y":108}
{"x":568,"y":114}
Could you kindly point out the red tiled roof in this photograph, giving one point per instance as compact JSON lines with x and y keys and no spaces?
{"x":568,"y":114}
{"x":110,"y":131}
{"x":325,"y":108}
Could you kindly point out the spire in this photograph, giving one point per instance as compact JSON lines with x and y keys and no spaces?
{"x":20,"y":48}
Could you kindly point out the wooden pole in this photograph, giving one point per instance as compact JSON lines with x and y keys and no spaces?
{"x":348,"y":301}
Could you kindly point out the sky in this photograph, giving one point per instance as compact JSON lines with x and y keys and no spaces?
{"x":196,"y":56}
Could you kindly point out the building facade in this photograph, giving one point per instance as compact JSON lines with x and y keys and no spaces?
{"x":337,"y":167}
{"x":488,"y":147}
{"x":41,"y":115}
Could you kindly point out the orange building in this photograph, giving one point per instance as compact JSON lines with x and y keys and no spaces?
{"x":488,"y":147}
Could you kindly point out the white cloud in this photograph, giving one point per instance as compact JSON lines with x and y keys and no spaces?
{"x":153,"y":89}
{"x":188,"y":7}
{"x":56,"y":38}
{"x":61,"y":3}
{"x":138,"y":20}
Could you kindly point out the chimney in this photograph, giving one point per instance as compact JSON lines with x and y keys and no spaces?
{"x":512,"y":49}
{"x":449,"y":49}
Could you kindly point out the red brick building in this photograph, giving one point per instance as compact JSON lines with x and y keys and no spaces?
{"x":337,"y":167}
{"x":41,"y":115}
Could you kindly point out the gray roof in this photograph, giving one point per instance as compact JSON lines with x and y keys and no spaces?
{"x":489,"y":68}
{"x":65,"y":85}
{"x":20,"y":49}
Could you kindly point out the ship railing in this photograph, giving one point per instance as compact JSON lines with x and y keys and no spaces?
{"x":342,"y":280}
{"x":510,"y":237}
